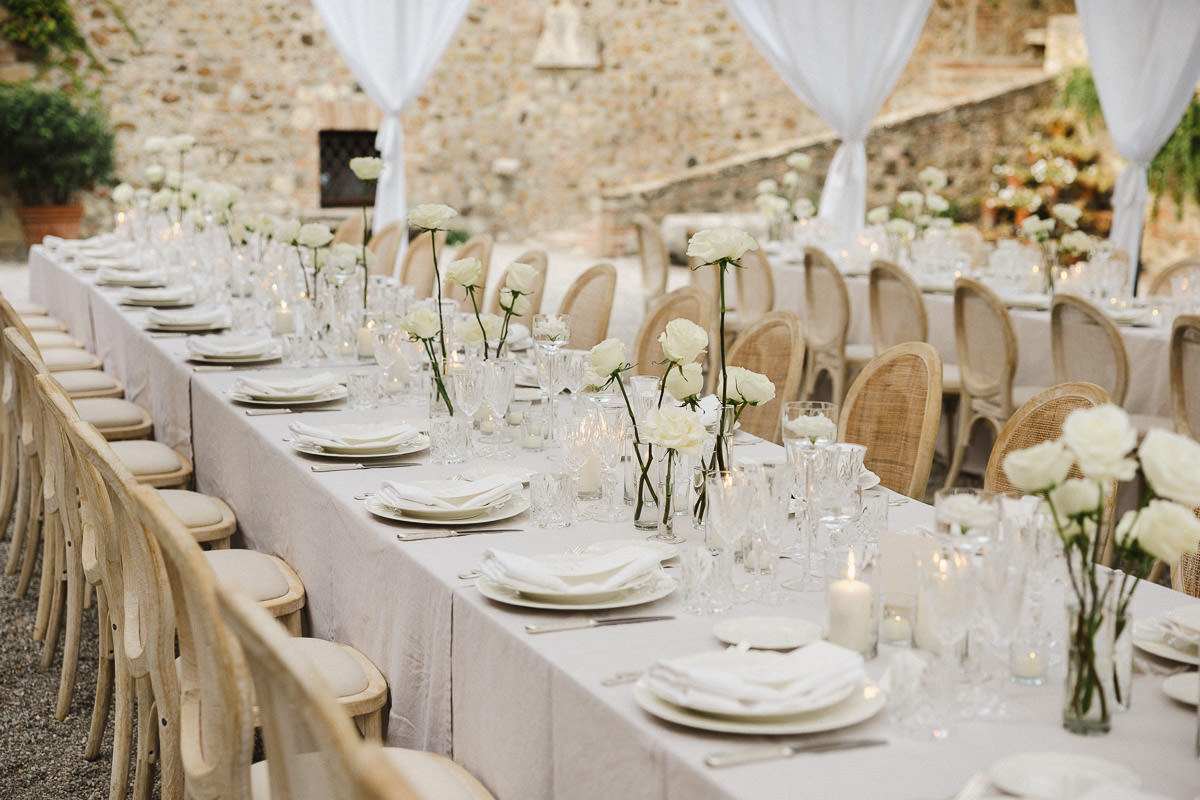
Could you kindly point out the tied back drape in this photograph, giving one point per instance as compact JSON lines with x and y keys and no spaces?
{"x":391,"y":48}
{"x":1145,"y":59}
{"x":842,"y":59}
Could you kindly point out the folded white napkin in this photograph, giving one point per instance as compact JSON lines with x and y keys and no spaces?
{"x":1112,"y":791}
{"x":187,"y":316}
{"x":282,"y":388}
{"x":114,"y":275}
{"x":163,"y":294}
{"x":710,"y":410}
{"x":1169,"y":632}
{"x":380,"y":435}
{"x":571,"y":573}
{"x":448,"y":495}
{"x":229,"y":346}
{"x":739,"y":681}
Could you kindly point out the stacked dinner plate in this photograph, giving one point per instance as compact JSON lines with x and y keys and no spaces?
{"x":141,"y":278}
{"x":819,"y":687}
{"x":187,"y":319}
{"x":230,"y":348}
{"x":287,"y":391}
{"x":611,"y":578}
{"x":358,"y":440}
{"x":441,"y":501}
{"x":160,"y":297}
{"x":1174,"y":635}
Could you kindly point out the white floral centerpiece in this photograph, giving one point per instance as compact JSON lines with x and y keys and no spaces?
{"x":366,"y":169}
{"x":781,"y":201}
{"x":514,"y":296}
{"x":434,"y":217}
{"x":1099,"y":442}
{"x":425,"y":325}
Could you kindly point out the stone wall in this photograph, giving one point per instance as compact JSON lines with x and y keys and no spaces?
{"x":678,"y":85}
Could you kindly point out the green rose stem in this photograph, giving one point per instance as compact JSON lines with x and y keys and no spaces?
{"x":644,"y":481}
{"x":437,"y":375}
{"x":508,"y":313}
{"x":366,"y":185}
{"x":303,"y":272}
{"x":437,"y":294}
{"x":475,"y":305}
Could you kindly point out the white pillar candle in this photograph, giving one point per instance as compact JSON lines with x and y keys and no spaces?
{"x":366,"y":347}
{"x":850,"y":611}
{"x":285,"y":320}
{"x":589,"y":476}
{"x":925,"y":639}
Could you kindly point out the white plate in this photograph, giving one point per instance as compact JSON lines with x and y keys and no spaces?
{"x":336,"y":393}
{"x":1187,"y":616}
{"x":419,"y":511}
{"x":1164,"y":650}
{"x":480,"y":471}
{"x":421,"y":442}
{"x":867,"y":479}
{"x":515,"y":505}
{"x":861,"y":705}
{"x":271,"y":355}
{"x":664,"y":550}
{"x":635,"y":596}
{"x":132,"y":282}
{"x":526,"y":395}
{"x":186,"y":302}
{"x":187,"y":328}
{"x":1184,"y":687}
{"x":768,"y":633}
{"x":1049,"y":776}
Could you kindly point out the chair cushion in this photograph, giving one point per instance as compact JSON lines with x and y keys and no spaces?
{"x":859,"y":353}
{"x":85,"y":380}
{"x":429,"y":775}
{"x":38,"y":323}
{"x":24,"y":308}
{"x":255,"y":572}
{"x":46,"y":340}
{"x":337,"y":667}
{"x":194,"y":509}
{"x":146,"y":458}
{"x":58,"y":359}
{"x":109,"y":412}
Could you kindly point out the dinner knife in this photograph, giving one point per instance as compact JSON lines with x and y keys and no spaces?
{"x":769,"y":752}
{"x":593,"y":622}
{"x":447,"y":533}
{"x":265,"y":412}
{"x":356,"y":465}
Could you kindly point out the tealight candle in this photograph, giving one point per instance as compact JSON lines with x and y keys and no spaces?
{"x":285,"y":320}
{"x":850,"y":611}
{"x":1028,"y":666}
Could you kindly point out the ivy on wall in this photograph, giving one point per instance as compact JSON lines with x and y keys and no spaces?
{"x":48,"y":28}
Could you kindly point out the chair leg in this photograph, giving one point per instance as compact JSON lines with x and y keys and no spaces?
{"x":966,"y":419}
{"x":837,"y":380}
{"x":122,"y":725}
{"x":170,"y":765}
{"x":50,"y":569}
{"x":370,"y":725}
{"x":33,"y":530}
{"x":21,"y":522}
{"x":8,"y":489}
{"x":104,"y":681}
{"x":58,"y":590}
{"x":147,"y":741}
{"x":76,"y":589}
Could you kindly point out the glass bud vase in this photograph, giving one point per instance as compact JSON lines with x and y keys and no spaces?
{"x":1087,"y":697}
{"x":647,"y":487}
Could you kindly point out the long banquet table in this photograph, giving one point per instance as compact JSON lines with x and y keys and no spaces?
{"x":529,"y":714}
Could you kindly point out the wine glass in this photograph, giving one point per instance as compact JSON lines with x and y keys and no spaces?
{"x":499,"y":380}
{"x":579,"y":443}
{"x":773,"y":484}
{"x":965,"y":518}
{"x":1003,"y":569}
{"x":942,"y":606}
{"x":466,"y":379}
{"x":727,"y":492}
{"x":551,"y":331}
{"x":813,"y":421}
{"x":609,"y":442}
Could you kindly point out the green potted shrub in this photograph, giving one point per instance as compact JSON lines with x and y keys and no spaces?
{"x":51,"y":150}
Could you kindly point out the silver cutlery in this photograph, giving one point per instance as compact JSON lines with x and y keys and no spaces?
{"x":469,"y":575}
{"x":770,"y":752}
{"x":592,"y":622}
{"x":168,"y":335}
{"x":263,"y":412}
{"x":212,"y":368}
{"x":446,"y":533}
{"x":621,"y":678}
{"x":357,"y":465}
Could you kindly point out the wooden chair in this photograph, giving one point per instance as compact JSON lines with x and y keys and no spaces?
{"x":349,"y":231}
{"x":311,"y":751}
{"x":57,"y":359}
{"x":1086,"y":346}
{"x":755,"y":290}
{"x":827,"y":319}
{"x":898,"y":315}
{"x":971,"y":240}
{"x":656,"y":262}
{"x":894,"y":407}
{"x":687,"y":303}
{"x":1181,"y":277}
{"x":377,"y":237}
{"x":986,"y":345}
{"x":42,"y":323}
{"x":386,"y":248}
{"x":537,"y":260}
{"x":1185,"y":576}
{"x":773,"y":346}
{"x":1185,"y":374}
{"x":416,"y":268}
{"x":478,"y":246}
{"x":589,"y":301}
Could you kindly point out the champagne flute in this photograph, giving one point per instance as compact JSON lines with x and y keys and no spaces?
{"x":499,"y":380}
{"x":610,"y":441}
{"x":466,"y":381}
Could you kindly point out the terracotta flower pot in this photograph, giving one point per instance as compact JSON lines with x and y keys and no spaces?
{"x":41,"y":221}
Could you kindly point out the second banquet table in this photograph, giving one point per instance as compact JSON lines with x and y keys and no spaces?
{"x":528,"y":714}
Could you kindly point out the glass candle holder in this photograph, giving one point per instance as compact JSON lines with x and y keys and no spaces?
{"x":852,"y":600}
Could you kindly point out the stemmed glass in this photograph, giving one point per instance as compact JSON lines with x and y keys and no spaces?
{"x":727,"y":492}
{"x":609,"y":442}
{"x":499,"y":379}
{"x":385,"y":342}
{"x":808,"y":427}
{"x":773,"y":484}
{"x":551,"y":332}
{"x":944,"y":599}
{"x":1002,"y":571}
{"x":466,"y":379}
{"x":579,"y":442}
{"x":568,"y":373}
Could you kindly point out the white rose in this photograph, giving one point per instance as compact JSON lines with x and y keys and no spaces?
{"x":767,"y":186}
{"x":683,"y":341}
{"x":195,"y":186}
{"x":791,"y":179}
{"x":122,"y":194}
{"x":901,"y":228}
{"x":314,"y":234}
{"x":181,"y":143}
{"x":933,"y":178}
{"x":196,"y":217}
{"x":1040,"y":467}
{"x":266,"y":224}
{"x":1171,"y":463}
{"x":366,"y":168}
{"x":161,"y":200}
{"x":552,"y":328}
{"x":684,"y":382}
{"x":214,"y":195}
{"x":1034,"y":228}
{"x":676,"y":428}
{"x":492,"y":325}
{"x":1163,"y":529}
{"x":1101,"y":437}
{"x":799,"y":161}
{"x":936,"y":203}
{"x":431,"y":216}
{"x":1074,"y":497}
{"x":910,"y":200}
{"x":1076,"y":242}
{"x":966,"y":511}
{"x":811,"y":427}
{"x":154,"y":144}
{"x":238,"y":233}
{"x":879,"y":215}
{"x":803,"y":208}
{"x":517,"y":305}
{"x":468,"y":332}
{"x":744,"y":386}
{"x":173,"y":178}
{"x":717,"y":244}
{"x":422,"y":322}
{"x":465,"y":271}
{"x":142,"y":195}
{"x":343,"y":257}
{"x":155,"y":173}
{"x":771,"y":205}
{"x":1067,"y":214}
{"x":288,"y":230}
{"x":520,"y":277}
{"x":607,"y":357}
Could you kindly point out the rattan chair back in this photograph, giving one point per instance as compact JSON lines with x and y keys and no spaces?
{"x":656,"y":262}
{"x":588,"y":302}
{"x":686,"y":302}
{"x":349,"y":231}
{"x":755,"y":287}
{"x":478,"y":246}
{"x":416,"y":268}
{"x":985,"y":343}
{"x":537,"y":260}
{"x":1185,"y":374}
{"x":898,"y":312}
{"x":773,"y":346}
{"x":1086,"y":346}
{"x":826,"y":302}
{"x":894,"y":407}
{"x":1180,"y":278}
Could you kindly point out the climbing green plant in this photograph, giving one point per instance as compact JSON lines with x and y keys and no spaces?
{"x":1175,"y":170}
{"x":48,"y":28}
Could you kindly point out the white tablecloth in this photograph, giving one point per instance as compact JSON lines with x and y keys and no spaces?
{"x":528,"y":714}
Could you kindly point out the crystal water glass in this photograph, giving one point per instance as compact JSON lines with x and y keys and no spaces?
{"x":813,"y":420}
{"x":499,"y":380}
{"x":466,"y":381}
{"x":609,"y":442}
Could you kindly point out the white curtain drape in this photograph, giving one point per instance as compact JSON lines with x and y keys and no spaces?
{"x":842,"y":58}
{"x":1145,"y":58}
{"x":391,"y":48}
